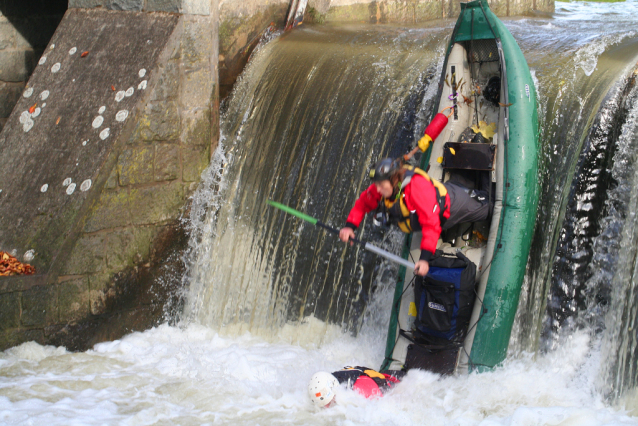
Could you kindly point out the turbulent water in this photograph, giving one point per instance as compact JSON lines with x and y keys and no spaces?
{"x":273,"y":300}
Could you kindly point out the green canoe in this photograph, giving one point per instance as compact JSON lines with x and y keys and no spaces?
{"x":485,"y":78}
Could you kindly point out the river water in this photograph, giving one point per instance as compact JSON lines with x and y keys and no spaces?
{"x":272,"y":300}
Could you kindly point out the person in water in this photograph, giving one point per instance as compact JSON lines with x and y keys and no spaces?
{"x":366,"y":381}
{"x":409,"y":198}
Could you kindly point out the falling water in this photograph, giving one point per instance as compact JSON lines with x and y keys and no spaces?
{"x":272,"y":299}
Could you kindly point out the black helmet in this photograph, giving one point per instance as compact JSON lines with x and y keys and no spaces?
{"x":384,"y":169}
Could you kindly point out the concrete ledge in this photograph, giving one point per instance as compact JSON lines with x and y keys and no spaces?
{"x":186,"y":7}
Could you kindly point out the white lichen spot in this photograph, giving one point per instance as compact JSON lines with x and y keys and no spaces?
{"x":142,"y":85}
{"x":26,"y":115}
{"x":42,"y":60}
{"x":119,"y":95}
{"x":101,"y":110}
{"x":142,"y":72}
{"x":28,"y":255}
{"x":97,"y":122}
{"x":129,"y":92}
{"x":56,"y":67}
{"x":27,"y":93}
{"x":28,"y":125}
{"x":44,"y":187}
{"x":52,"y":46}
{"x":121,"y":115}
{"x":73,"y":50}
{"x":44,"y":95}
{"x":105,"y":133}
{"x":86,"y":185}
{"x":70,"y":189}
{"x":66,"y":182}
{"x":36,"y":112}
{"x":44,"y":104}
{"x":84,"y":143}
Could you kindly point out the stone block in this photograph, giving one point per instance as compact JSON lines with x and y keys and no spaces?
{"x":15,"y":337}
{"x":9,"y":311}
{"x":128,"y":247}
{"x":21,"y":282}
{"x":156,"y":204}
{"x":196,"y":127}
{"x":86,"y":4}
{"x":16,"y":65}
{"x":9,"y":95}
{"x":166,"y":162}
{"x":167,"y":85}
{"x":196,"y":7}
{"x":39,"y":306}
{"x":87,"y":256}
{"x":194,"y":161}
{"x":135,"y":165}
{"x":197,"y":89}
{"x":110,"y":211}
{"x":7,"y":35}
{"x":197,"y":42}
{"x":160,"y":122}
{"x":126,"y":5}
{"x":174,"y":6}
{"x":111,"y":182}
{"x":73,"y":299}
{"x":101,"y":288}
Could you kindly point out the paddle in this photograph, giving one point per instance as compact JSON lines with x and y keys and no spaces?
{"x":367,"y":246}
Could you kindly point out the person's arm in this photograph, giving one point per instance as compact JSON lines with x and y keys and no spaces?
{"x":367,"y":201}
{"x":421,"y":197}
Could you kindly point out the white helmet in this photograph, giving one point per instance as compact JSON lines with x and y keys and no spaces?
{"x":321,"y":388}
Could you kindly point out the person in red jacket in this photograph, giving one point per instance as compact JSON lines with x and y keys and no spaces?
{"x":414,"y":201}
{"x":366,"y":381}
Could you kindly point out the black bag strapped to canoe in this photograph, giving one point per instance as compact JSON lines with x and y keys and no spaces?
{"x":469,"y":156}
{"x":441,"y":360}
{"x":444,"y":299}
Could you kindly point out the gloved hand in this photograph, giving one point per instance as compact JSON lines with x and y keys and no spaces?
{"x":424,"y":143}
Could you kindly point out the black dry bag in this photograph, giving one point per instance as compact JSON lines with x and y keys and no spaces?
{"x":444,"y":298}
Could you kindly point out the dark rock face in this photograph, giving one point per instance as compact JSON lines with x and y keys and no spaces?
{"x":106,"y":143}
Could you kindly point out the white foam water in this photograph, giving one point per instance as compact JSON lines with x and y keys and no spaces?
{"x":191,"y":375}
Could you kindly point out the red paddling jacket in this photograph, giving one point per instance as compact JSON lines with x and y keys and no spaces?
{"x":367,"y":382}
{"x":422,"y":204}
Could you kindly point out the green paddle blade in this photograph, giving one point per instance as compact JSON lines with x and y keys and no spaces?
{"x":293,"y":212}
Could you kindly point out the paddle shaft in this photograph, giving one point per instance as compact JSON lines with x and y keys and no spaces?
{"x":374,"y":249}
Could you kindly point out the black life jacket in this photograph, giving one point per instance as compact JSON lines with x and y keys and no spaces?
{"x":398,"y":212}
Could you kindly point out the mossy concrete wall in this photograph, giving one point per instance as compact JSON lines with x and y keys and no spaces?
{"x":411,"y":11}
{"x":99,"y":157}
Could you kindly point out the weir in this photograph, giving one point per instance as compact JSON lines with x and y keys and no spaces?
{"x":305,"y":135}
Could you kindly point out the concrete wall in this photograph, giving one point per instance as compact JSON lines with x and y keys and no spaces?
{"x":411,"y":11}
{"x":94,"y":178}
{"x":241,"y":24}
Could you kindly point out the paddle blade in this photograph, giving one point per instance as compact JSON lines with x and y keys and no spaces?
{"x":293,"y":212}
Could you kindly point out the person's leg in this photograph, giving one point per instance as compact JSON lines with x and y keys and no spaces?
{"x":464,"y":208}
